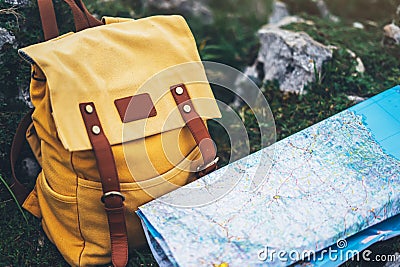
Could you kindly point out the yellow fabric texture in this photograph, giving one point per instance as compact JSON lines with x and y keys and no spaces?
{"x":153,"y":156}
{"x":117,"y":60}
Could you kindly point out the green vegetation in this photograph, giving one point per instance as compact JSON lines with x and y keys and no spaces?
{"x":339,"y":77}
{"x":230,"y":39}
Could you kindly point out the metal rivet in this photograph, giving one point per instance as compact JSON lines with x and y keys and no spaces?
{"x":89,"y":109}
{"x":179,"y":90}
{"x":96,"y":129}
{"x":187,"y":108}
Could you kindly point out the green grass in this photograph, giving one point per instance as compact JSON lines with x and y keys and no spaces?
{"x":231,"y":40}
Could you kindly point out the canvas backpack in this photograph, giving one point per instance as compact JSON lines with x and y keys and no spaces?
{"x":120,"y":118}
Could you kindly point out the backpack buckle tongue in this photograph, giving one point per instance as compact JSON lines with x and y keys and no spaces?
{"x":202,"y":167}
{"x":112,"y":193}
{"x":206,"y":169}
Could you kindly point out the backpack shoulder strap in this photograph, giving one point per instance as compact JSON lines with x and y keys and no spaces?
{"x":82,"y":17}
{"x":48,"y":18}
{"x":17,"y":188}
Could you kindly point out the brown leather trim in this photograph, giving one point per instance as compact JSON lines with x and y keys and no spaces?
{"x":207,"y":170}
{"x":79,"y":18}
{"x":18,"y":189}
{"x":113,"y":203}
{"x":48,"y":19}
{"x":195,"y":124}
{"x":82,"y":17}
{"x":135,"y":107}
{"x":91,"y":20}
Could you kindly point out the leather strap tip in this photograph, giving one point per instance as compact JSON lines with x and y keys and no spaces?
{"x":207,"y":170}
{"x":120,"y":262}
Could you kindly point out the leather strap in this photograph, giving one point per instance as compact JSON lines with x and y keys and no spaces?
{"x":48,"y":19}
{"x":18,"y":189}
{"x":112,"y":198}
{"x":196,"y":126}
{"x":207,"y":169}
{"x":82,"y":17}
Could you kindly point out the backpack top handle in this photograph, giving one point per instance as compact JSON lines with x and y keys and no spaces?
{"x":82,"y":17}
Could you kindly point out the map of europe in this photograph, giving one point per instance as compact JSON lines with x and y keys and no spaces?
{"x":303,"y":193}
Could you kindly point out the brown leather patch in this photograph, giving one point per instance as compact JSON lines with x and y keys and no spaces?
{"x":137,"y":107}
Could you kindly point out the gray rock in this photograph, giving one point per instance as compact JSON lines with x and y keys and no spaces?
{"x":360,"y":68}
{"x":30,"y":167}
{"x":324,"y":11}
{"x":242,"y":86}
{"x":288,"y":20}
{"x":358,"y":25}
{"x":391,"y":34}
{"x":24,"y":96}
{"x":6,"y":37}
{"x":195,"y":8}
{"x":371,"y":23}
{"x":279,"y":11}
{"x":280,"y":16}
{"x":356,"y":99}
{"x":291,"y":58}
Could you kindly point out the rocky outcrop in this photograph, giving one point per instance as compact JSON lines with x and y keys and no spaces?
{"x":293,"y":59}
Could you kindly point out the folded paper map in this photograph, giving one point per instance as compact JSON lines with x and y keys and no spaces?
{"x":319,"y":188}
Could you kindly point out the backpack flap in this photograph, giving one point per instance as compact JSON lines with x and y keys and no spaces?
{"x":120,"y":67}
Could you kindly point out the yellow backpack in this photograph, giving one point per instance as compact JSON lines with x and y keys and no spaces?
{"x":119,"y":119}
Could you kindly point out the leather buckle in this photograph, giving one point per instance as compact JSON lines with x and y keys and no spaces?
{"x":112,"y":193}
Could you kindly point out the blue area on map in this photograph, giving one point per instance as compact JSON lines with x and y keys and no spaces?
{"x":382,"y":231}
{"x":381,"y":115}
{"x":150,"y":228}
